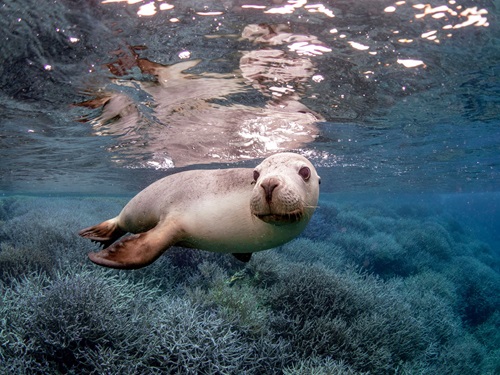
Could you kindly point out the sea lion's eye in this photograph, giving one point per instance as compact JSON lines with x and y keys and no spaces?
{"x":256,"y":175}
{"x":305,"y":173}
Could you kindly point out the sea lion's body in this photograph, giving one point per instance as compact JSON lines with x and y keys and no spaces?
{"x":206,"y":205}
{"x":224,"y":210}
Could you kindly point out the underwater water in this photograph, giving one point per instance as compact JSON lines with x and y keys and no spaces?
{"x":396,"y":103}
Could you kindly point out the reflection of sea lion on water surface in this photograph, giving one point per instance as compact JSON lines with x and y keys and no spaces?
{"x":177,"y":118}
{"x":239,"y":211}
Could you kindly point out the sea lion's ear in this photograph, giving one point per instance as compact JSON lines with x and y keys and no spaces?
{"x":138,"y":250}
{"x":243,"y":257}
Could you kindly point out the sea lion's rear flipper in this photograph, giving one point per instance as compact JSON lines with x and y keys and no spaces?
{"x":137,"y":250}
{"x":105,"y":233}
{"x":243,"y":257}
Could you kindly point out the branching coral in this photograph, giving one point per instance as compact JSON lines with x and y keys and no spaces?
{"x":370,"y":290}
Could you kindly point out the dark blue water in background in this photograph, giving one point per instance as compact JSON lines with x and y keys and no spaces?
{"x":395,"y":102}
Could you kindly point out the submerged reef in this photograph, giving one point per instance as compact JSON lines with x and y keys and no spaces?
{"x":367,"y":289}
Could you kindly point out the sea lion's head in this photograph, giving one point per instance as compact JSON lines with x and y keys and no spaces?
{"x":286,"y":189}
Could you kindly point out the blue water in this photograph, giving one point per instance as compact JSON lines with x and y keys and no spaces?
{"x":397,"y":105}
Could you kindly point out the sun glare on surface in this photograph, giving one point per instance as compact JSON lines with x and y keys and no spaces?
{"x":280,"y":60}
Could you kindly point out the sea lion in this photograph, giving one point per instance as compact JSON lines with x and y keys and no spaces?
{"x":239,"y":211}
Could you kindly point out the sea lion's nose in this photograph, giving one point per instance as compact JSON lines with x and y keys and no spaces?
{"x":269,"y":185}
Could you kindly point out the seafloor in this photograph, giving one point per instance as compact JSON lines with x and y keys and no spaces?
{"x":386,"y":287}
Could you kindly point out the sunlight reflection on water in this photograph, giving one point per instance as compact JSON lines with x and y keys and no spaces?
{"x":179,"y":124}
{"x":197,"y":136}
{"x":170,"y":84}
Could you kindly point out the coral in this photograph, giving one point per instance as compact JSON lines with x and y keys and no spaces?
{"x":413,"y":211}
{"x":491,"y":363}
{"x":53,"y":321}
{"x":192,"y":258}
{"x":461,"y":356}
{"x":187,"y":340}
{"x":430,"y":238}
{"x":477,"y":287}
{"x":320,"y":366}
{"x":266,"y":269}
{"x":7,"y":208}
{"x":321,"y":224}
{"x":168,"y":277}
{"x":488,"y":334}
{"x":15,"y":262}
{"x":70,"y":323}
{"x":369,"y":289}
{"x":350,"y":317}
{"x":348,"y":221}
{"x":484,"y":253}
{"x":308,"y":251}
{"x":43,"y":230}
{"x":354,"y":246}
{"x":383,"y":255}
{"x":237,"y":302}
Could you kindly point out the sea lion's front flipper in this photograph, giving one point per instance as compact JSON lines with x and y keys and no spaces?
{"x":138,"y":250}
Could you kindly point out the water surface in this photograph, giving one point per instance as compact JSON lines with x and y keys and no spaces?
{"x":106,"y":97}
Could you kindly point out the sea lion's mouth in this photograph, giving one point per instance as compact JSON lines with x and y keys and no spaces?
{"x":280,"y":219}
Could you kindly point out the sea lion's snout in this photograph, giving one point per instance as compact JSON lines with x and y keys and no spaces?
{"x":275,"y":201}
{"x":269,"y":185}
